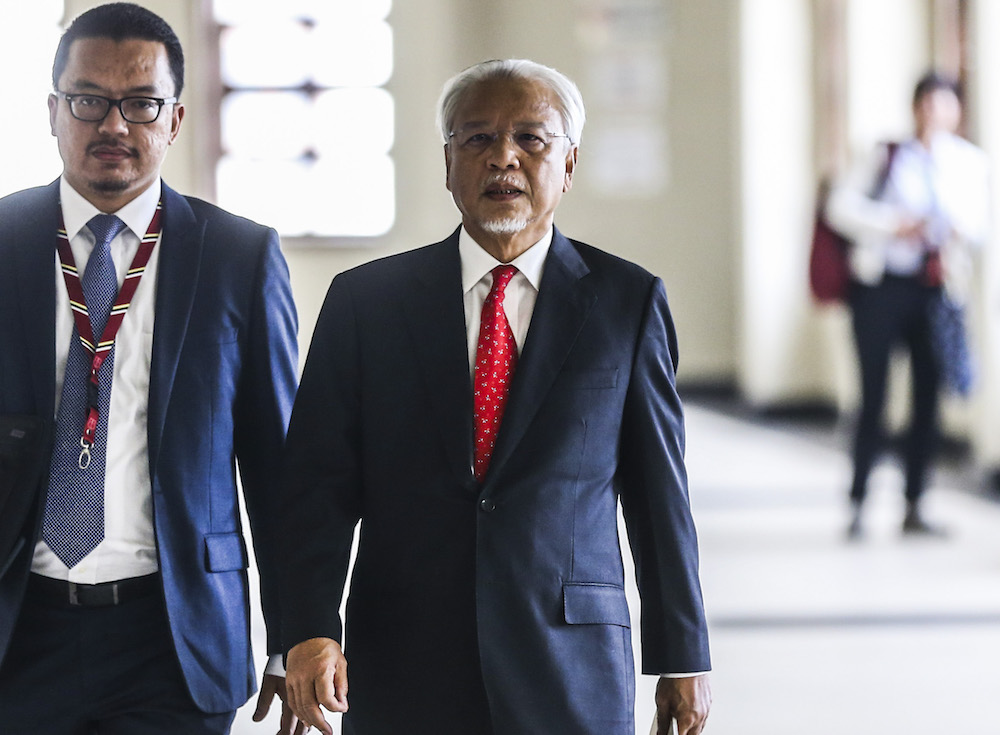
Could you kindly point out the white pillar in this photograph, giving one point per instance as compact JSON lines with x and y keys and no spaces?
{"x":985,"y":102}
{"x":776,"y":154}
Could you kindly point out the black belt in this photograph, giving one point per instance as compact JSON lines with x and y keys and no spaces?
{"x":69,"y":594}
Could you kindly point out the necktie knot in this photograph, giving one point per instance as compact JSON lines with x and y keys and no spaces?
{"x":99,"y":281}
{"x":501,"y":277}
{"x":105,"y":228}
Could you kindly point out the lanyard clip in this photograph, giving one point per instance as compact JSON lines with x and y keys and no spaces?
{"x":84,"y":461}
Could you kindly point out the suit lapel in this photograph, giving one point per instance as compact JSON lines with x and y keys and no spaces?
{"x":436,"y":320}
{"x":564,"y":302}
{"x":177,"y":280}
{"x":34,"y":284}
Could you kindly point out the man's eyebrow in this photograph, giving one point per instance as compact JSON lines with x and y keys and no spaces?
{"x":145,"y":91}
{"x":85,"y":85}
{"x":475,"y":124}
{"x":471,"y":124}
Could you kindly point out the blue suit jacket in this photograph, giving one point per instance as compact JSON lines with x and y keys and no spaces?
{"x":222,"y":382}
{"x":496,"y":606}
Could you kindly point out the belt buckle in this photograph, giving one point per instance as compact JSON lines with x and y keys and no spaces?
{"x":74,"y":595}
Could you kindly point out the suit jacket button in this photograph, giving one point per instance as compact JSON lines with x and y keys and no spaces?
{"x":487,"y":505}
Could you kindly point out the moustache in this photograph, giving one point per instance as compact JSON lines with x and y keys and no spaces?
{"x":110,"y":145}
{"x":503,"y":181}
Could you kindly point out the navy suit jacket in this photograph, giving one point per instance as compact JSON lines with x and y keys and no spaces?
{"x":222,"y":382}
{"x":495,"y":607}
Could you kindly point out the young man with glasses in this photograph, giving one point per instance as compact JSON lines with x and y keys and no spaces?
{"x":160,"y":335}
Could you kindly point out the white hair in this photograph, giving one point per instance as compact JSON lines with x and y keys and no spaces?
{"x":568,"y":96}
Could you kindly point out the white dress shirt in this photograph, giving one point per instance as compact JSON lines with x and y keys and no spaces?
{"x":518,"y":298}
{"x":947,"y":185}
{"x":129,"y":545}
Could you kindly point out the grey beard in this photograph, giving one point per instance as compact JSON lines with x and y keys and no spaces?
{"x":506,"y":226}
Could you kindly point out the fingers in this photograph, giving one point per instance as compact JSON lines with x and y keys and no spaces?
{"x":664,"y":726}
{"x":332,"y":693}
{"x":264,"y":698}
{"x":263,"y":705}
{"x":290,"y":724}
{"x":685,"y":700}
{"x":689,"y":725}
{"x":316,"y":677}
{"x":306,"y":707}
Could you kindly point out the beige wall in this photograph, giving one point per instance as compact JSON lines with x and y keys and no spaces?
{"x":685,"y":232}
{"x":730,"y":93}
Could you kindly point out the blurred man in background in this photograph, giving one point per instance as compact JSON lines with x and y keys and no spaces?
{"x":913,"y":212}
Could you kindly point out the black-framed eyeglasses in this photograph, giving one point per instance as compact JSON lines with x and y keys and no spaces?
{"x":94,"y":107}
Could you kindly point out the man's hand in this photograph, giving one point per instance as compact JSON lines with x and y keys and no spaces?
{"x":290,"y":724}
{"x":686,"y":700}
{"x":912,"y":230}
{"x":316,"y":674}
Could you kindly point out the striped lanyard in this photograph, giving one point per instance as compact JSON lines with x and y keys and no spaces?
{"x":100,"y":350}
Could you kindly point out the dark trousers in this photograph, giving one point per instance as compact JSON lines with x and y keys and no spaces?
{"x":894,"y":313}
{"x":88,"y":670}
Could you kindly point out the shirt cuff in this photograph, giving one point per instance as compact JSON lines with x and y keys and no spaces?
{"x":683,"y":676}
{"x":274,"y":666}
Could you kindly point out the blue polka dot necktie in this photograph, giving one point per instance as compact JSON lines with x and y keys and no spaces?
{"x":73,"y":525}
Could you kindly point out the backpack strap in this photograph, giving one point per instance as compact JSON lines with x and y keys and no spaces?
{"x":891,"y":148}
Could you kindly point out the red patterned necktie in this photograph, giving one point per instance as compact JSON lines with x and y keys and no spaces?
{"x":496,"y":358}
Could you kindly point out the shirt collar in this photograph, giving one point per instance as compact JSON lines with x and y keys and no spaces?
{"x":476,"y":262}
{"x":136,"y":215}
{"x":940,"y":141}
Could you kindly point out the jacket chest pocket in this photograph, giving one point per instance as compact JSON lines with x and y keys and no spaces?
{"x":590,"y":379}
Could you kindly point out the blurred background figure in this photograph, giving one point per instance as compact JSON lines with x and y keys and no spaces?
{"x":913,"y":210}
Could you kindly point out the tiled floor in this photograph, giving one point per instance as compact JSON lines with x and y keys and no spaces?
{"x":813,"y":635}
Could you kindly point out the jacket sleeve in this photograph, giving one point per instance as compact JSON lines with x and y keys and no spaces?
{"x":266,"y":392}
{"x":652,"y":482}
{"x":853,"y":212}
{"x":322,"y":476}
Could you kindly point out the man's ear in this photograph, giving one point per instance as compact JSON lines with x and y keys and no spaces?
{"x":447,"y":167}
{"x":53,"y":108}
{"x":175,"y":121}
{"x":571,"y":158}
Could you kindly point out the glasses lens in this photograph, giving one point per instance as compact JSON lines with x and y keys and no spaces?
{"x":140,"y":109}
{"x":86,"y":107}
{"x":531,"y":141}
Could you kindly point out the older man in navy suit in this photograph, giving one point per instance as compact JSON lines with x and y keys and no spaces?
{"x":160,"y":333}
{"x":481,"y":405}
